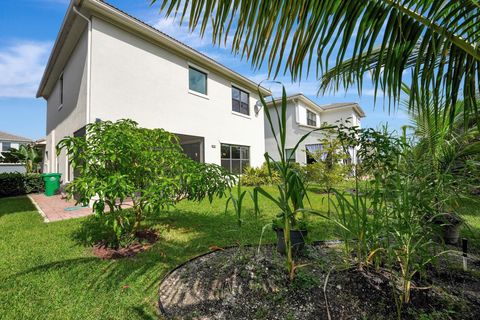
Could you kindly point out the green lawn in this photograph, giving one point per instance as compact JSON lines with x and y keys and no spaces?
{"x":47,"y":272}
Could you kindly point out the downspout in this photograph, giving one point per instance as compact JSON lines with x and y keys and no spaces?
{"x":89,"y":61}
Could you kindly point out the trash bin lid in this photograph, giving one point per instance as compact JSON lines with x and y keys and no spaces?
{"x":48,"y":175}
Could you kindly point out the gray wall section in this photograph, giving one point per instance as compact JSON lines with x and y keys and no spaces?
{"x":71,"y":116}
{"x":12,"y":167}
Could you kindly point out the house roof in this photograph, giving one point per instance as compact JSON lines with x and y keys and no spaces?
{"x":5,"y":136}
{"x":322,"y":108}
{"x":132,"y":24}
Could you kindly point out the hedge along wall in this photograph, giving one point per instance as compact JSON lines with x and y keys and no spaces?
{"x":15,"y":184}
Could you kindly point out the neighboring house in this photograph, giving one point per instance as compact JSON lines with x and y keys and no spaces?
{"x":107,"y":65}
{"x":10,"y":141}
{"x":304,"y":115}
{"x":41,"y":145}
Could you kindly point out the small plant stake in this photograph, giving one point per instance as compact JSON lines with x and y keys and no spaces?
{"x":465,"y":251}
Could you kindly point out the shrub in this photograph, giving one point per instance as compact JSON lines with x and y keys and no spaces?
{"x":122,"y":162}
{"x":15,"y":184}
{"x":329,"y":169}
{"x":259,"y":176}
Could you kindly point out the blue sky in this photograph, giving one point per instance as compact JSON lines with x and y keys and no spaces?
{"x":28,"y":29}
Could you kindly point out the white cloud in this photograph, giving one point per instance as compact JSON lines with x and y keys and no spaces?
{"x":21,"y":68}
{"x":307,"y":87}
{"x":181,"y":32}
{"x":172,"y":27}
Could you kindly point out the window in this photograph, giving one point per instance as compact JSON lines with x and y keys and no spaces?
{"x":289,"y":154}
{"x":6,"y":146}
{"x":61,"y":90}
{"x":79,"y":133}
{"x":197,"y":80}
{"x":240,"y":101}
{"x":311,"y":150}
{"x":235,"y":158}
{"x":311,"y":118}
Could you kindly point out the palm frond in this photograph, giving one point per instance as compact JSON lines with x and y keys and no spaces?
{"x":436,"y":41}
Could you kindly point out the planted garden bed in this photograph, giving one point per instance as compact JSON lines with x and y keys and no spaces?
{"x":244,"y":283}
{"x":144,"y":239}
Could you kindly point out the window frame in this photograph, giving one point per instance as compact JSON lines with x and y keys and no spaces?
{"x":314,"y":121}
{"x":61,"y":93}
{"x":3,"y":146}
{"x":287,"y":150}
{"x":234,"y":87}
{"x":240,"y":159}
{"x":205,"y":73}
{"x":307,"y":152}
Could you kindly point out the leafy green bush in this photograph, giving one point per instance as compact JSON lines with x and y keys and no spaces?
{"x":121,"y":162}
{"x":259,"y":176}
{"x":328,"y":170}
{"x":15,"y":184}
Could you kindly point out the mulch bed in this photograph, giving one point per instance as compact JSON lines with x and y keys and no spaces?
{"x":243,"y":283}
{"x":144,"y":239}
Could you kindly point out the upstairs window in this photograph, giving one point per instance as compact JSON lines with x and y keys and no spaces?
{"x":311,"y":118}
{"x":240,"y":101}
{"x":197,"y":80}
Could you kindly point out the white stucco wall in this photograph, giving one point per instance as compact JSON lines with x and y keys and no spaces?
{"x":66,"y":119}
{"x":297,"y":128}
{"x":343,"y":115}
{"x":133,"y":78}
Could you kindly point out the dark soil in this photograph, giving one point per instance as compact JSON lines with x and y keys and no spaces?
{"x":241,"y":283}
{"x":144,"y":239}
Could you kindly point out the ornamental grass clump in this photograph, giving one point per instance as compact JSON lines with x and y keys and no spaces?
{"x":389,"y":225}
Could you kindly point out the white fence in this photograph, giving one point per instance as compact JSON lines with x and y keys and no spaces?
{"x":12,"y":167}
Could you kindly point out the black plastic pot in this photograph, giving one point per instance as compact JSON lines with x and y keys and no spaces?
{"x":449,"y":228}
{"x":297,"y":239}
{"x":451,"y":233}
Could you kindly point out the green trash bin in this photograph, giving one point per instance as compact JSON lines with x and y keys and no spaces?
{"x":52,"y":183}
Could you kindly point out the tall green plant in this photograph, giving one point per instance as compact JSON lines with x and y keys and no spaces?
{"x":451,"y":149}
{"x":237,"y":201}
{"x":389,"y":224}
{"x":292,"y":192}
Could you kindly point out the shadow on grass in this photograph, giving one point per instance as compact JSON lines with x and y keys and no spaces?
{"x":15,"y":205}
{"x":317,"y":190}
{"x":117,"y":278}
{"x":184,"y":234}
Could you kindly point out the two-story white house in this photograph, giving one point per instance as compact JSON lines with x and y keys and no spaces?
{"x":107,"y":65}
{"x":303,"y":116}
{"x":10,"y":141}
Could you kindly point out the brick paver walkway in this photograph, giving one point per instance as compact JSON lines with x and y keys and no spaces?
{"x":53,"y":208}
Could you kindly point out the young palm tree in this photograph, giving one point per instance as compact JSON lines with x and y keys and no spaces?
{"x":450,"y":148}
{"x":438,"y":41}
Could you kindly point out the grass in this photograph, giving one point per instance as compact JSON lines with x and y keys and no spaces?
{"x":47,"y":271}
